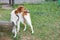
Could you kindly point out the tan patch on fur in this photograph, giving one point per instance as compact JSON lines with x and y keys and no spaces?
{"x":24,"y":12}
{"x":16,"y":12}
{"x":19,"y":9}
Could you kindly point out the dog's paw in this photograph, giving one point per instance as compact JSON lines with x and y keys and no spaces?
{"x":24,"y":29}
{"x":32,"y":32}
{"x":14,"y":36}
{"x":13,"y":31}
{"x":17,"y":31}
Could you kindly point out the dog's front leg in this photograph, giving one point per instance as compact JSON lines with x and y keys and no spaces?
{"x":30,"y":24}
{"x":32,"y":28}
{"x":15,"y":31}
{"x":25,"y":27}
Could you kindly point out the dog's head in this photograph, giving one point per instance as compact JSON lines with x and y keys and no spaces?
{"x":19,"y":9}
{"x":25,"y":12}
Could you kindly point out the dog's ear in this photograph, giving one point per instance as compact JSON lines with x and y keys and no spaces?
{"x":25,"y":12}
{"x":20,"y":9}
{"x":16,"y":12}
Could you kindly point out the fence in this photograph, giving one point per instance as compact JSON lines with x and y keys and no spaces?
{"x":21,"y":1}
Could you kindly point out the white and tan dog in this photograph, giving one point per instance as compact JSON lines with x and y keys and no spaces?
{"x":22,"y":15}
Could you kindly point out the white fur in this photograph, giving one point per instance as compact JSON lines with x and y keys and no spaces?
{"x":14,"y":20}
{"x":28,"y":20}
{"x":21,"y":19}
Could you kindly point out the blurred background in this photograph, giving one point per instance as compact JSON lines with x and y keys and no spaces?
{"x":45,"y":16}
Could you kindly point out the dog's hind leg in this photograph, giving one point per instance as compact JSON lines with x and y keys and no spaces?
{"x":28,"y":20}
{"x":31,"y":27}
{"x":25,"y":27}
{"x":15,"y":31}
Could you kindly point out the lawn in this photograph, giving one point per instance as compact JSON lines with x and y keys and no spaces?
{"x":45,"y":19}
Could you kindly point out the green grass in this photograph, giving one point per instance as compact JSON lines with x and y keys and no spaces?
{"x":45,"y":19}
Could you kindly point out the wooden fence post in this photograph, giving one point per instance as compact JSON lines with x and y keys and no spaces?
{"x":11,"y":2}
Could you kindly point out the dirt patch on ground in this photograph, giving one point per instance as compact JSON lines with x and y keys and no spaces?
{"x":5,"y":38}
{"x":26,"y":38}
{"x":29,"y":36}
